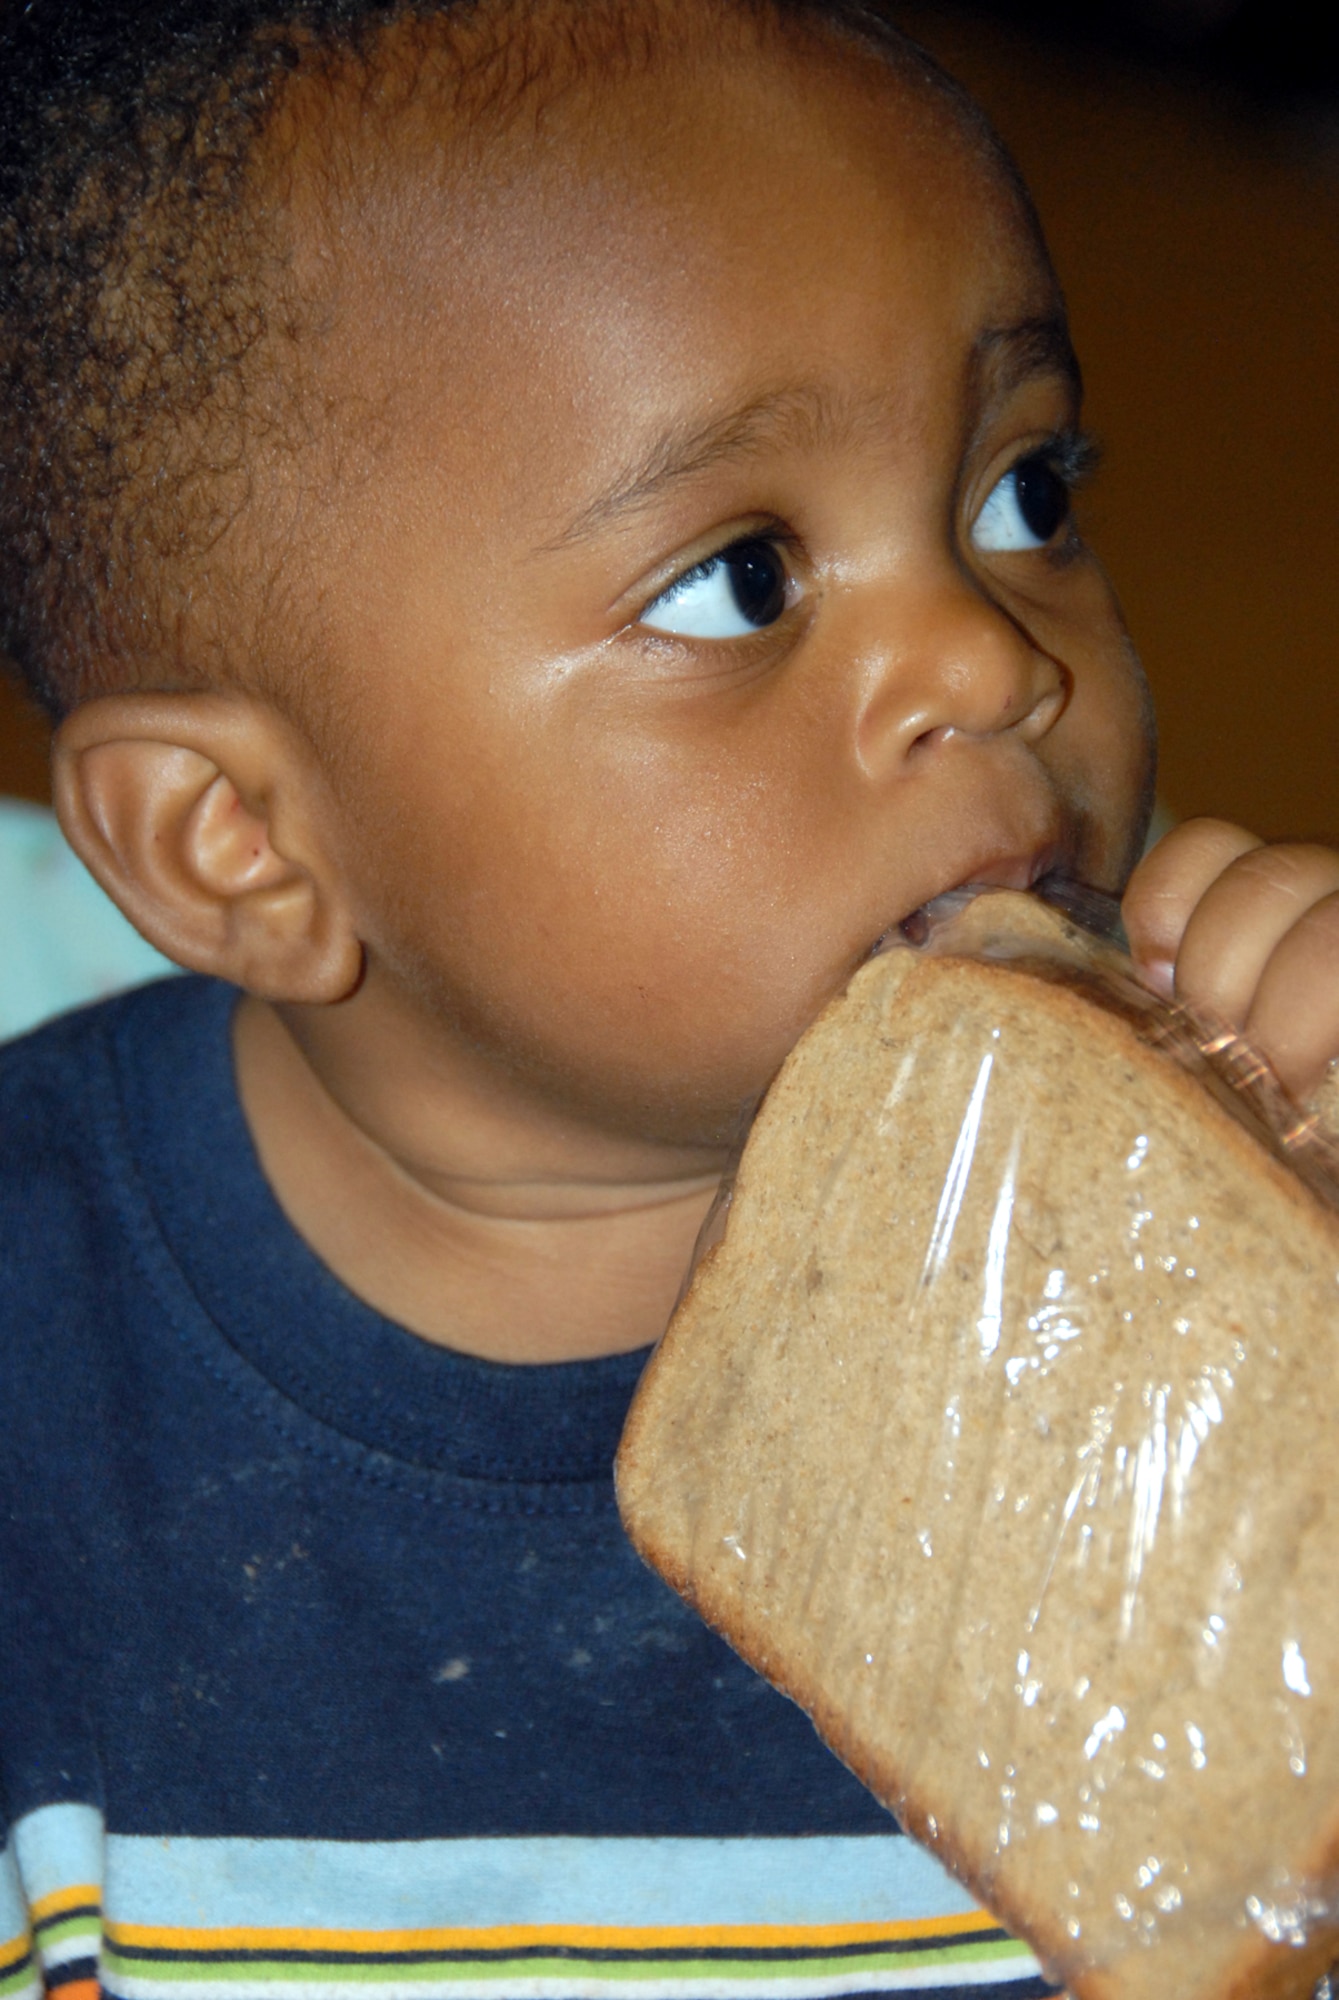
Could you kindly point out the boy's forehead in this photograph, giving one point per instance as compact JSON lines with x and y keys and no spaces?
{"x":669,"y":238}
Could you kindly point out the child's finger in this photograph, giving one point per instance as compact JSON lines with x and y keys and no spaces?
{"x":1168,"y":884}
{"x":1241,"y":920}
{"x":1294,"y":1017}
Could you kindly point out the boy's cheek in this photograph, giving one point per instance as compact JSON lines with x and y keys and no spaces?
{"x":651,"y":915}
{"x":1103,"y":753}
{"x":644,"y":937}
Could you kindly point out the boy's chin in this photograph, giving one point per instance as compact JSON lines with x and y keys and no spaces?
{"x":696,"y":1103}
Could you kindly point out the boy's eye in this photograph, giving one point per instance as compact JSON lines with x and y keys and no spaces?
{"x":741,"y":590}
{"x":1024,"y":509}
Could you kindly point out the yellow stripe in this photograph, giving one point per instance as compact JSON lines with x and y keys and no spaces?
{"x":13,"y":1951}
{"x":513,"y":1937}
{"x":66,"y":1899}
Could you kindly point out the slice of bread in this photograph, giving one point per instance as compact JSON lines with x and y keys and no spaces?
{"x":1000,"y":1433}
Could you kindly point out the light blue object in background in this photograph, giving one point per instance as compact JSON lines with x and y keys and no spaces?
{"x":62,"y":942}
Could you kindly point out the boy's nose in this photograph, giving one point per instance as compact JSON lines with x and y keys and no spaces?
{"x":946,"y":660}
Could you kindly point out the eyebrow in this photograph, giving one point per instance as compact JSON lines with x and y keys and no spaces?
{"x":1001,"y":359}
{"x":796,"y":416}
{"x":1040,"y":346}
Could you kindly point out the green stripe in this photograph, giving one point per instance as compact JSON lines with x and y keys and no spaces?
{"x":20,"y":1975}
{"x":86,"y":1924}
{"x":568,"y":1966}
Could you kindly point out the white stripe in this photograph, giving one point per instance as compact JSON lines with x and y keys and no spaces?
{"x":84,"y":1945}
{"x":987,"y":1973}
{"x":485,"y":1884}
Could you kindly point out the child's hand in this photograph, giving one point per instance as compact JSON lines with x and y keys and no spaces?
{"x":1248,"y":933}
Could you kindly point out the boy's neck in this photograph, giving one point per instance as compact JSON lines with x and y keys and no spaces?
{"x":439,"y":1202}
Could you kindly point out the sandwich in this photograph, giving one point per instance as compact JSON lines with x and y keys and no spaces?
{"x":998,"y":1431}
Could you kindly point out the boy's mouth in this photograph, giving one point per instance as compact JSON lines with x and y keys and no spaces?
{"x":1010,"y":871}
{"x":1095,"y":910}
{"x":1050,"y":871}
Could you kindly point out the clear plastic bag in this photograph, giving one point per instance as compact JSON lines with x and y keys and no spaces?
{"x":999,"y":1432}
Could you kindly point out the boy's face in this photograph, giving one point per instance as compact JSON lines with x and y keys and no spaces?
{"x":768,"y":313}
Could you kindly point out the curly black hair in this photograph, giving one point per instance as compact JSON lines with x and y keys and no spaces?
{"x":145,"y":300}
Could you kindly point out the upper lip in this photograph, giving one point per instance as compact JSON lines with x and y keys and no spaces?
{"x":1018,"y":869}
{"x":1013,"y":871}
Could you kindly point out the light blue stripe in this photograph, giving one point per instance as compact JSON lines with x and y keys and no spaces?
{"x":13,"y":1903}
{"x":444,"y":1883}
{"x":57,"y":1846}
{"x":432,"y":1884}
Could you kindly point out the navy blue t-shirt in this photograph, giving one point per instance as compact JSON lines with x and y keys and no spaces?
{"x":323,"y":1657}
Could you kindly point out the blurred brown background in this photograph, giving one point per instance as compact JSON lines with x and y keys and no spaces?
{"x":1185,"y":158}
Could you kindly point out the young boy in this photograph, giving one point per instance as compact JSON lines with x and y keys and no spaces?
{"x":548,"y":529}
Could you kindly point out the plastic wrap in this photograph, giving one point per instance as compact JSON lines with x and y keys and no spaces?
{"x":999,"y":1432}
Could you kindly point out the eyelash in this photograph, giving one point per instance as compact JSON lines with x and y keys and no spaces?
{"x":1073,"y":455}
{"x":777,"y":537}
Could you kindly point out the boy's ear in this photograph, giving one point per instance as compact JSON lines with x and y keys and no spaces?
{"x":202,"y":815}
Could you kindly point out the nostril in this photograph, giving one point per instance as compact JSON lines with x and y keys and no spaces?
{"x":928,"y":739}
{"x":1036,"y":719}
